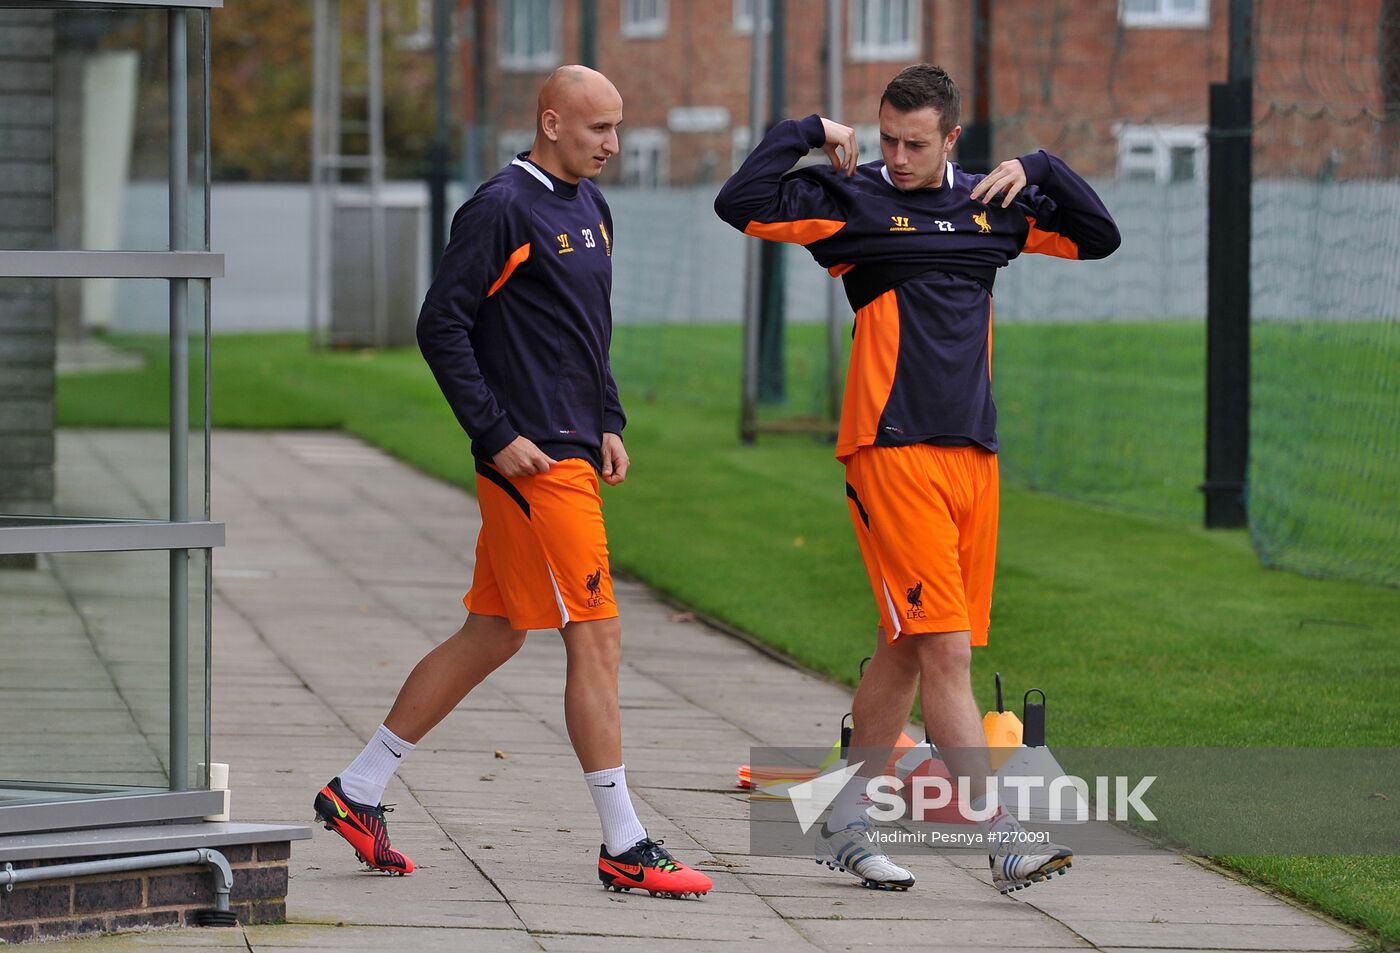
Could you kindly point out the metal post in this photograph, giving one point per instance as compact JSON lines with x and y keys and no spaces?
{"x":1241,"y":63}
{"x":379,"y":266}
{"x":772,"y":383}
{"x":1227,"y":282}
{"x":588,"y":33}
{"x":835,"y":299}
{"x":179,"y":402}
{"x":205,"y":144}
{"x":478,"y":162}
{"x":437,"y":182}
{"x":319,"y":57}
{"x":975,"y":145}
{"x":753,"y":266}
{"x":331,"y":108}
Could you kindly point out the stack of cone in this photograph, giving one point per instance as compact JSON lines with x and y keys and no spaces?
{"x":772,"y":781}
{"x":1034,"y":760}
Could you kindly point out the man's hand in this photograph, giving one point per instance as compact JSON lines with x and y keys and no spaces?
{"x":522,"y":458}
{"x":615,"y":461}
{"x":840,"y":146}
{"x":1008,"y":178}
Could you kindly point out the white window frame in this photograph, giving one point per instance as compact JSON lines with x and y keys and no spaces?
{"x":644,"y":19}
{"x":655,"y":144}
{"x":514,"y":61}
{"x":1162,"y":140}
{"x":1169,"y":14}
{"x":512,"y":142}
{"x":743,"y":16}
{"x":862,"y":48}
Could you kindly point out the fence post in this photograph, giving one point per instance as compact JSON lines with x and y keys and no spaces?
{"x":1227,"y":280}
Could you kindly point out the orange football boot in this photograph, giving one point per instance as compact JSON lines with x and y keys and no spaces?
{"x":363,"y":826}
{"x":647,"y":866}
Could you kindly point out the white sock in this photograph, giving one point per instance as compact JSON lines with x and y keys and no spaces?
{"x":1000,"y":824}
{"x":850,"y":805}
{"x":621,"y":829}
{"x":369,"y":774}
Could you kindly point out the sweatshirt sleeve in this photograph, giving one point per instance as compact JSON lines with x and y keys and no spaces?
{"x":613,"y":417}
{"x":1067,"y":218}
{"x":486,"y":245}
{"x":759,"y":201}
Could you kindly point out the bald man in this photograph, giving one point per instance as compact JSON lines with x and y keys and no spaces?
{"x":516,"y":329}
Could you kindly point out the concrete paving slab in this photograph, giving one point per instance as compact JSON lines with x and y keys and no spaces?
{"x":696,"y":919}
{"x":860,"y":903}
{"x":363,"y":939}
{"x":574,"y":943}
{"x":996,"y":934}
{"x":182,"y":939}
{"x":1215,"y":936}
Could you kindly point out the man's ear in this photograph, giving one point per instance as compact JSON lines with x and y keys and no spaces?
{"x":549,"y":124}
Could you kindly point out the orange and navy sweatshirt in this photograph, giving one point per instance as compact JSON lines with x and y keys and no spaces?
{"x":518,"y":321}
{"x":918,"y":268}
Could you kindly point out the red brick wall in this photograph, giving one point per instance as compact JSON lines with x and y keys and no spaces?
{"x":1317,"y":79}
{"x":1065,"y":73}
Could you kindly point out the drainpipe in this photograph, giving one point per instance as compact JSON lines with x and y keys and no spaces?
{"x":223,"y":875}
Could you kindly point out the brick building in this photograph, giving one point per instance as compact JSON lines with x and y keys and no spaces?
{"x":1121,"y":86}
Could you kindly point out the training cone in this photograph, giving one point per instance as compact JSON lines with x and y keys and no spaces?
{"x":1003,"y":731}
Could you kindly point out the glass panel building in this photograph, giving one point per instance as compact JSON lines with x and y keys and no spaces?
{"x":105,"y":536}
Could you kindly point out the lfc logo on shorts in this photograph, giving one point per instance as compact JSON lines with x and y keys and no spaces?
{"x":915,"y":596}
{"x":594,"y":582}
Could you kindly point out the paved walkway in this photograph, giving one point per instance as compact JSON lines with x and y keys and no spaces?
{"x":343,"y":567}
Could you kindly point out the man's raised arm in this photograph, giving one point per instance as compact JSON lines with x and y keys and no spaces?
{"x":759,"y":201}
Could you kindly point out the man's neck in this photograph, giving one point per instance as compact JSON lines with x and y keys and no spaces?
{"x":551,"y":165}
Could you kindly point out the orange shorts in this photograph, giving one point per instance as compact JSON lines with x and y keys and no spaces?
{"x":926,"y":521}
{"x":542,"y":556}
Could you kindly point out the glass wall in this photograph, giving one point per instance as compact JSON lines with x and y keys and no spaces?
{"x":104,"y":531}
{"x":67,"y":387}
{"x":85,"y":683}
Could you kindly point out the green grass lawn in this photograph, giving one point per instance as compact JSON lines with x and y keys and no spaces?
{"x":1142,"y":629}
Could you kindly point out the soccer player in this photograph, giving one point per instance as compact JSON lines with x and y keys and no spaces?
{"x":516,"y":328}
{"x":917,"y":243}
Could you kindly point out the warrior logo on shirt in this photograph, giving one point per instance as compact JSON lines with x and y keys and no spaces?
{"x":607,"y":239}
{"x":980,"y":220}
{"x":901,"y":224}
{"x":594,"y":582}
{"x":915,"y":597}
{"x":563,"y":239}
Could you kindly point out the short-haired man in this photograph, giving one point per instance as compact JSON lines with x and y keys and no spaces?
{"x":917,"y":241}
{"x":516,"y":329}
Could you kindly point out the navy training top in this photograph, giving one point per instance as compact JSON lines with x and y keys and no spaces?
{"x":918,"y":267}
{"x":518,"y":321}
